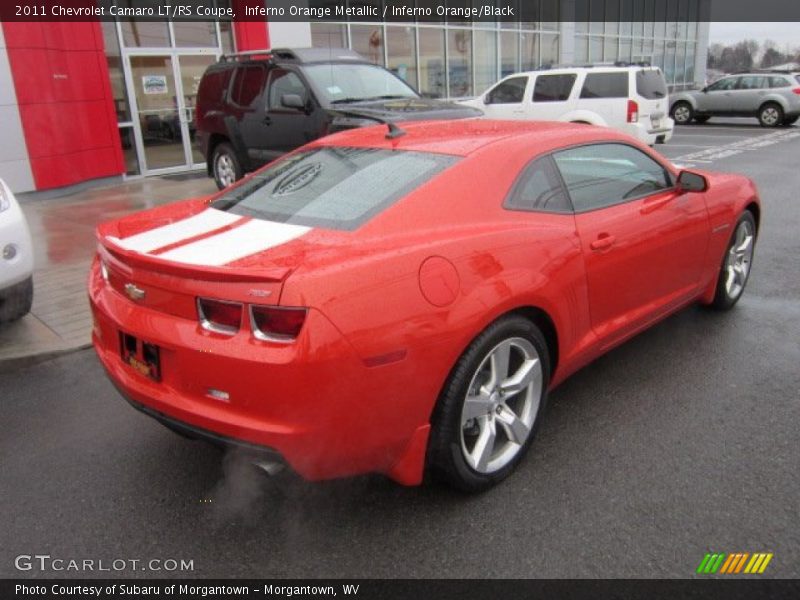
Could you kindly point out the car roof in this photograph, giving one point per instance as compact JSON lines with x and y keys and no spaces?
{"x":299,"y":56}
{"x":464,"y":137}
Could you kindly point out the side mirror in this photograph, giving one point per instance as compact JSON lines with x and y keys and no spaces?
{"x":692,"y":182}
{"x":292,"y":101}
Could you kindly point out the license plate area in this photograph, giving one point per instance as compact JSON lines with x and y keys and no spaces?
{"x":142,"y":357}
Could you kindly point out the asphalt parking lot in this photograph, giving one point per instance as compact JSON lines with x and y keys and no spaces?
{"x":683,"y":441}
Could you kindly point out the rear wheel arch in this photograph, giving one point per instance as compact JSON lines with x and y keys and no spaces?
{"x":755,"y":210}
{"x":544,"y":322}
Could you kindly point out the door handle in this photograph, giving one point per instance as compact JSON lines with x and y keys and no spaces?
{"x":267,"y":120}
{"x":603,"y":242}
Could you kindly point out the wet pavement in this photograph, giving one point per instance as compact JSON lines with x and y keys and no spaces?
{"x":63,"y":233}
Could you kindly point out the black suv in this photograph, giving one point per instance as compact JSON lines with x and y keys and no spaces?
{"x":252,"y":107}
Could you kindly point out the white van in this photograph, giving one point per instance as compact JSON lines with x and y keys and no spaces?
{"x":632,"y":99}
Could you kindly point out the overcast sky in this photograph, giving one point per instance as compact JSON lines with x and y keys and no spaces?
{"x":781,"y":33}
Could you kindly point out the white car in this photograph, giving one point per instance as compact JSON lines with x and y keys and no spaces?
{"x":16,"y":259}
{"x":632,"y":99}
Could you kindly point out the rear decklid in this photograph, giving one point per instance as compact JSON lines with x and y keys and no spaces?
{"x":165,"y":258}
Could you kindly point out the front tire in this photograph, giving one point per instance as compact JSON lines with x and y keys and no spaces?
{"x":682,"y":113}
{"x":490,"y":407}
{"x":226,"y":166}
{"x":770,"y":115}
{"x":16,"y":302}
{"x":736,"y":263}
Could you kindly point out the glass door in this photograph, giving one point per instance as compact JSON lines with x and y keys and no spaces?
{"x":165,"y":94}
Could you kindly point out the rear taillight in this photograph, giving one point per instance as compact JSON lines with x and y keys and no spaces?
{"x":796,"y":91}
{"x":219,"y":316}
{"x":276,"y":323}
{"x":633,"y":112}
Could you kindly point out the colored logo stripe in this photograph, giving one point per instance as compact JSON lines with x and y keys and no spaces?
{"x":735,"y":563}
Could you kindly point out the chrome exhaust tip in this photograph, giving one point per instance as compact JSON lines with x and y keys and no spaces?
{"x":268,"y":466}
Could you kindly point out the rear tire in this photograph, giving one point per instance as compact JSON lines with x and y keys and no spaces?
{"x":16,"y":302}
{"x":736,"y":264}
{"x":490,"y":408}
{"x":770,"y":115}
{"x":225,"y":165}
{"x":682,"y":113}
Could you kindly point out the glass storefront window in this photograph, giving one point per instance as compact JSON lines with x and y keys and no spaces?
{"x":459,"y":62}
{"x":145,"y":34}
{"x":431,"y":62}
{"x":116,"y":73}
{"x":581,"y":49}
{"x":401,"y":45}
{"x":367,"y":40}
{"x":195,"y":34}
{"x":129,"y":150}
{"x":509,"y":53}
{"x":611,"y":49}
{"x":226,"y":37}
{"x":549,"y":53}
{"x":529,"y":45}
{"x":485,"y":59}
{"x":595,"y":49}
{"x":328,"y":35}
{"x":625,"y":49}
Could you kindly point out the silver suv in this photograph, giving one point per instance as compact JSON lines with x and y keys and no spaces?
{"x":773,"y":97}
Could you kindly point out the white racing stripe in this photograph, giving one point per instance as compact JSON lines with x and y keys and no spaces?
{"x":228,"y":246}
{"x":147,"y":241}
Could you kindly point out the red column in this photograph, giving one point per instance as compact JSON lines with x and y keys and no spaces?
{"x":250,"y":35}
{"x":65,"y":101}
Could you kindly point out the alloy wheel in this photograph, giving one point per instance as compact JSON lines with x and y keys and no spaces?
{"x":501,"y":405}
{"x":226,"y":172}
{"x":770,"y":116}
{"x":740,"y":256}
{"x":682,"y":114}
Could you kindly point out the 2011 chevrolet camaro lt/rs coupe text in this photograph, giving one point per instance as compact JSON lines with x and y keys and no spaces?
{"x":401,"y":302}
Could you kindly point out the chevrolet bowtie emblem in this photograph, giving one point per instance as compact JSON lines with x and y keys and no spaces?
{"x":134,"y":292}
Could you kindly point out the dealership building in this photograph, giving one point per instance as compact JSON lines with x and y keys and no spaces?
{"x":81,"y":101}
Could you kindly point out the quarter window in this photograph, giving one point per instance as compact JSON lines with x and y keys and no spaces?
{"x":602,"y":175}
{"x":605,"y":85}
{"x":778,"y":82}
{"x":539,"y":189}
{"x":553,"y":88}
{"x":510,"y":91}
{"x":247,"y":85}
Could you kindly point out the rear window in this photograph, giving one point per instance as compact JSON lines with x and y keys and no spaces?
{"x":779,"y":82}
{"x":334,"y":187}
{"x":605,"y":85}
{"x":651,"y":84}
{"x":553,"y":88}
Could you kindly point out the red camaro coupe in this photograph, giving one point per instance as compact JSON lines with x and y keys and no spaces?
{"x":401,"y":302}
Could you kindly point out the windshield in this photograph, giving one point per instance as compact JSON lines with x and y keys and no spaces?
{"x":350,"y":83}
{"x":334,"y":187}
{"x":651,"y":84}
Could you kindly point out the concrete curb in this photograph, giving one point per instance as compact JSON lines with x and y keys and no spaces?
{"x":25,"y":360}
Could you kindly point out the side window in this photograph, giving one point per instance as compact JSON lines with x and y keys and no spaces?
{"x":723,"y":84}
{"x":247,"y":85}
{"x":553,"y":88}
{"x":778,"y":82}
{"x":510,"y":91}
{"x":539,"y":189}
{"x":605,"y":85}
{"x":752,"y":82}
{"x":601,"y":175}
{"x":284,"y":82}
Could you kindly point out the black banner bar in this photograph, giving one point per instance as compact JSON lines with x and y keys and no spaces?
{"x":400,"y":11}
{"x":744,"y":588}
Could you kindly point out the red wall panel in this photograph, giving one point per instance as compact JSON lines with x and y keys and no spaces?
{"x":250,"y":35}
{"x":65,"y":102}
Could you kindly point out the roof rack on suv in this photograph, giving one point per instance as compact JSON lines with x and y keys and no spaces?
{"x":267,"y":52}
{"x":598,"y":65}
{"x":779,"y":71}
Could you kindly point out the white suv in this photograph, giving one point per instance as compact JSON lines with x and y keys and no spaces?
{"x":16,"y":259}
{"x":631,"y":98}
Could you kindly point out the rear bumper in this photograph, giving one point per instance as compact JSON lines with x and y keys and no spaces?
{"x":313,"y":402}
{"x":14,"y":232}
{"x":650,"y":135}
